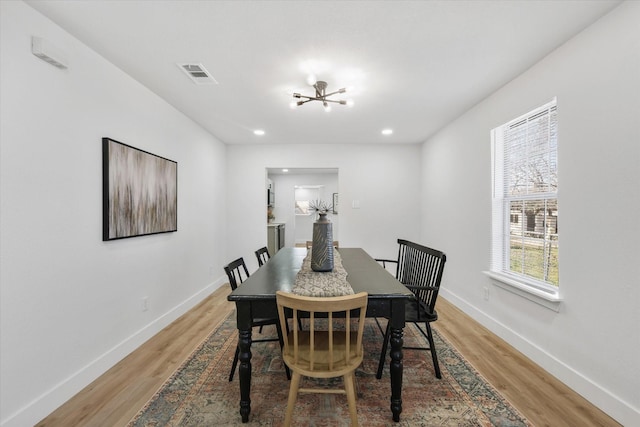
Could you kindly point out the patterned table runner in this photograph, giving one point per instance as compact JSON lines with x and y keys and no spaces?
{"x":322,"y":284}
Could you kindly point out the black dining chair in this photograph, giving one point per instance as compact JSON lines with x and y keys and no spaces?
{"x":420,"y":269}
{"x":263,"y":256}
{"x":237,"y":273}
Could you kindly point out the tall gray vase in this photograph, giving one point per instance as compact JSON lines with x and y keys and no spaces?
{"x":322,"y":247}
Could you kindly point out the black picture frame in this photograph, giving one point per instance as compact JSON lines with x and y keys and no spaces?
{"x":139,"y":192}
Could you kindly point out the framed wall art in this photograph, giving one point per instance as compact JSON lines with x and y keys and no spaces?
{"x":139,"y":192}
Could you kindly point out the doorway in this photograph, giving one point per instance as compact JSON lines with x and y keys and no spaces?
{"x":292,"y":191}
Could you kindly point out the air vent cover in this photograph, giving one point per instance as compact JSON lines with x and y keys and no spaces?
{"x":198,"y":74}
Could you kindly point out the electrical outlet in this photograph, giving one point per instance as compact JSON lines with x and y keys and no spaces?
{"x":485,"y":293}
{"x":144,"y":305}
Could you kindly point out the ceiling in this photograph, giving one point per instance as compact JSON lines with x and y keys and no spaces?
{"x":412,"y":66}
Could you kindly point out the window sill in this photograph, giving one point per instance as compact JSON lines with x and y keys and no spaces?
{"x":546,"y":298}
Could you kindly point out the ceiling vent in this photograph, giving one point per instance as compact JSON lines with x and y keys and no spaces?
{"x":198,"y":74}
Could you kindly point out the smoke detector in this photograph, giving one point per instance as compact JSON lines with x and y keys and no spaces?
{"x":198,"y":74}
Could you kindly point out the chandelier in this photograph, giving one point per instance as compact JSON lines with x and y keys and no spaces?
{"x":321,"y":95}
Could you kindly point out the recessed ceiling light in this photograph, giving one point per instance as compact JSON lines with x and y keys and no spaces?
{"x":387,"y":131}
{"x":259,"y":132}
{"x":285,"y":170}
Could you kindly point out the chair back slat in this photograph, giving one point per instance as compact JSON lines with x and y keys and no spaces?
{"x":295,"y":336}
{"x":330,"y":322}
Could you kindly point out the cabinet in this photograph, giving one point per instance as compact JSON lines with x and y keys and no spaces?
{"x":275,"y":237}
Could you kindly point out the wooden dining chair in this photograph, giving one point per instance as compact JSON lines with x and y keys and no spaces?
{"x":331,"y":347}
{"x":420,"y":269}
{"x":263,"y":256}
{"x":237,"y":273}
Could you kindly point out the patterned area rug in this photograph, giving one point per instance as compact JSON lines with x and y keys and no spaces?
{"x":199,"y":393}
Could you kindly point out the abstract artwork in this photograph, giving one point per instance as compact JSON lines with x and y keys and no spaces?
{"x":139,"y":190}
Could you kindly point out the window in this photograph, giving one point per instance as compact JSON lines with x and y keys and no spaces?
{"x":525,"y":199}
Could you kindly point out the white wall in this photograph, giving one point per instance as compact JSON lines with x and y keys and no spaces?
{"x":70,"y":303}
{"x":593,"y":343}
{"x":383,"y":178}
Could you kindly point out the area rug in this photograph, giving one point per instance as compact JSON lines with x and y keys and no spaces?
{"x":199,"y":393}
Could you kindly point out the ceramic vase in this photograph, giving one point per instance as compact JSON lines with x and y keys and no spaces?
{"x":322,"y":247}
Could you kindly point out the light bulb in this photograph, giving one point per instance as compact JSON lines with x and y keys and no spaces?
{"x":311,"y":79}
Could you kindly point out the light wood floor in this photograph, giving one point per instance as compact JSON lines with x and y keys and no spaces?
{"x":115,"y":397}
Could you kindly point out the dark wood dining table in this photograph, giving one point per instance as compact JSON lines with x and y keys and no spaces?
{"x":256,"y":298}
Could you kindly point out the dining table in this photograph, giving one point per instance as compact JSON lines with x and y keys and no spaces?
{"x":256,"y":298}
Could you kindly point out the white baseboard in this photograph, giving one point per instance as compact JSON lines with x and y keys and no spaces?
{"x":616,"y":408}
{"x":49,"y":401}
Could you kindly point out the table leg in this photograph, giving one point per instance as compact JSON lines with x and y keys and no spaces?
{"x":396,"y":372}
{"x":244,"y":369}
{"x":395,"y":368}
